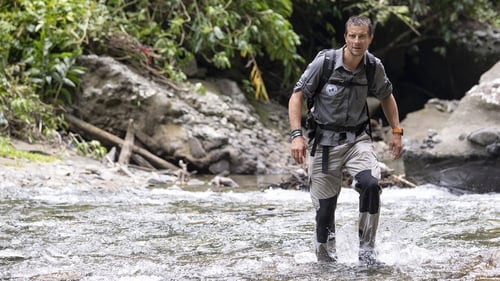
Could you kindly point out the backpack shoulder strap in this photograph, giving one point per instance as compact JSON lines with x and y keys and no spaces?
{"x":326,"y":72}
{"x":328,"y":65}
{"x":370,"y":72}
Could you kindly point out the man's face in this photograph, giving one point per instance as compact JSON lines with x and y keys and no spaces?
{"x":357,"y":39}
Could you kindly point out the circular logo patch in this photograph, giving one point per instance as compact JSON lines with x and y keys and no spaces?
{"x":331,"y":89}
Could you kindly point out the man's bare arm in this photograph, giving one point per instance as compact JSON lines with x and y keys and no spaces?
{"x":391,"y":112}
{"x":295,"y":110}
{"x":298,"y":145}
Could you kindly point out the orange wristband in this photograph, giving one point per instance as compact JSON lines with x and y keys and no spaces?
{"x":398,"y":131}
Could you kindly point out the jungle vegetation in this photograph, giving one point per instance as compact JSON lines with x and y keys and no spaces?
{"x":41,"y":40}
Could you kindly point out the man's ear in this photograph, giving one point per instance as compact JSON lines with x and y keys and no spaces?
{"x":371,"y":38}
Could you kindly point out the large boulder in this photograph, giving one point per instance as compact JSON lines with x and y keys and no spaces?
{"x":214,"y":131}
{"x":435,"y":68}
{"x":463,"y":152}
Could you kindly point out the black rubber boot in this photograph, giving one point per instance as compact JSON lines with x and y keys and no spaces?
{"x":369,"y":207}
{"x":325,"y":230}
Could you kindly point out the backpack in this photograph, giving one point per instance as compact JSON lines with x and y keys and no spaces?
{"x":328,"y":65}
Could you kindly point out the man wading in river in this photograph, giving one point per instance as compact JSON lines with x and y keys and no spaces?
{"x":336,"y":84}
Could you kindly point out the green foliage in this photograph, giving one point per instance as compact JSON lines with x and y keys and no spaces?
{"x":26,"y":116}
{"x":7,"y":150}
{"x":212,"y":30}
{"x":40,"y":42}
{"x":382,"y":11}
{"x":47,"y":40}
{"x":91,"y":148}
{"x":430,"y":18}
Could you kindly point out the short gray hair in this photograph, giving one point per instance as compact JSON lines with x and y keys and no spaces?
{"x":360,"y":21}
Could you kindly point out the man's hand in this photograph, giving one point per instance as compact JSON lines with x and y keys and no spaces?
{"x":395,"y":146}
{"x":299,"y":149}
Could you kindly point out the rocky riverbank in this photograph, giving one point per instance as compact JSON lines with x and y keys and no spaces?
{"x":68,"y":169}
{"x":71,"y":169}
{"x":220,"y":133}
{"x":462,"y":150}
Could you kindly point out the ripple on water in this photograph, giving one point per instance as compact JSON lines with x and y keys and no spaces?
{"x":425,"y":233}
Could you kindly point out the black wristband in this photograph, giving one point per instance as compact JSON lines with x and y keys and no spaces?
{"x":296,"y":133}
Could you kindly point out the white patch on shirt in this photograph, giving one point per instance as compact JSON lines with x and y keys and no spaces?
{"x":331,"y":89}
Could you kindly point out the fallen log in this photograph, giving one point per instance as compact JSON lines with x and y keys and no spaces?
{"x":141,"y":161}
{"x":103,"y":136}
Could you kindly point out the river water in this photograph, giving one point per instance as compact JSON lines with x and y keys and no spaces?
{"x":140,"y":233}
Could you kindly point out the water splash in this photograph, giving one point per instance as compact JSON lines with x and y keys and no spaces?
{"x":172,"y":234}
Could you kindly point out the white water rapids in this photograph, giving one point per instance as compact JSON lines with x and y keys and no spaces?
{"x":72,"y":233}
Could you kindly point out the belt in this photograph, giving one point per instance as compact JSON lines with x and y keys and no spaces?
{"x":341,"y":129}
{"x":342,"y":137}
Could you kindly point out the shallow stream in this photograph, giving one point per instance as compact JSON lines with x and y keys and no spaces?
{"x":72,"y":233}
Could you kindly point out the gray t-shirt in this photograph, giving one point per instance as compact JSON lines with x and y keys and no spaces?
{"x":338,"y":105}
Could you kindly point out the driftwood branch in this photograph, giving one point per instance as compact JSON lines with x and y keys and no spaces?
{"x":128,"y":144}
{"x":401,"y":179}
{"x":101,"y":135}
